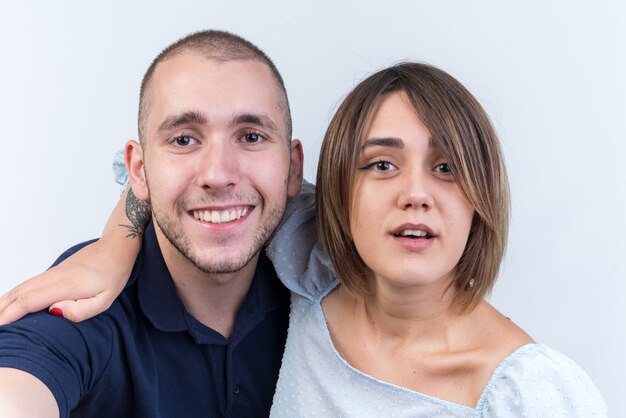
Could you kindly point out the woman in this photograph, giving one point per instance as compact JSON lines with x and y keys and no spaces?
{"x":412,"y":209}
{"x":412,"y":205}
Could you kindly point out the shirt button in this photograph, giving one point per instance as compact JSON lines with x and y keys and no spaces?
{"x":237,"y":389}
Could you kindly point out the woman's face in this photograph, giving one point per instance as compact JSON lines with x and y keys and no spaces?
{"x":409,"y":220}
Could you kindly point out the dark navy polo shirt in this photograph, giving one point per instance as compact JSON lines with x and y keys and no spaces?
{"x":146,"y":356}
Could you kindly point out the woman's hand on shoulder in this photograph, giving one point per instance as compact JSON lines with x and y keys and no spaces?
{"x":82,"y":286}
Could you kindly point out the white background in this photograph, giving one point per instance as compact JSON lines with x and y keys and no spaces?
{"x":551,"y":74}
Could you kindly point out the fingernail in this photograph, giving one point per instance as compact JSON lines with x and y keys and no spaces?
{"x":56,"y":312}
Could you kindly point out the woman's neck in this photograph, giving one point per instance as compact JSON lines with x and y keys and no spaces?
{"x":424,"y":314}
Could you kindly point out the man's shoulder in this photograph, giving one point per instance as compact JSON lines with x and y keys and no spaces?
{"x":55,"y":349}
{"x":67,"y":357}
{"x":120,"y":316}
{"x":129,"y":289}
{"x":72,"y":250}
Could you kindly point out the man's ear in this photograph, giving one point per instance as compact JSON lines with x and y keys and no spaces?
{"x":295,"y":172}
{"x":133,"y":157}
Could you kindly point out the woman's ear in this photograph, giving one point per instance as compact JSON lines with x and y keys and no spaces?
{"x":133,"y":157}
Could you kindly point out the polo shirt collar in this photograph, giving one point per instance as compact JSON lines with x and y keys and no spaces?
{"x":156,"y":291}
{"x":164,"y":309}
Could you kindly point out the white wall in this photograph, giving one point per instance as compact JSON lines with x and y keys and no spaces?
{"x":550,"y":73}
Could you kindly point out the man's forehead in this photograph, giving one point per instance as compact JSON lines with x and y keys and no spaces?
{"x":192,"y":82}
{"x":194,"y":67}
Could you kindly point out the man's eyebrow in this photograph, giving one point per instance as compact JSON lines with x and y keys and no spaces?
{"x":382,"y":142}
{"x":191,"y":117}
{"x":254,"y":119}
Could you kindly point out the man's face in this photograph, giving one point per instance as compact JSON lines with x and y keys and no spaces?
{"x":216,"y":160}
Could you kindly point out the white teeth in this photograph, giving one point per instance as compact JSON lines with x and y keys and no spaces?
{"x":413,"y":232}
{"x":219,"y":217}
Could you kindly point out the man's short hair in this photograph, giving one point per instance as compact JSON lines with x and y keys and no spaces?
{"x":216,"y":45}
{"x":461,"y":130}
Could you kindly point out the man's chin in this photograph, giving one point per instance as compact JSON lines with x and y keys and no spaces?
{"x":220,"y":266}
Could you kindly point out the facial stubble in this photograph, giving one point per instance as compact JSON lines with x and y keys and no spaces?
{"x":216,"y":263}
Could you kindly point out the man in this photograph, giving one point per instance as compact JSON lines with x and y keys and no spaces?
{"x":201,"y":327}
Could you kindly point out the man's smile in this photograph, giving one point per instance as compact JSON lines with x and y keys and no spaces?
{"x":221,"y":216}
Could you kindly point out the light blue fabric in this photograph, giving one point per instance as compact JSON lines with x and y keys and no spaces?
{"x":119,"y":169}
{"x":315,"y":381}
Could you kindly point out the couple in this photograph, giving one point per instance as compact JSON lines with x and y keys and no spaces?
{"x":387,"y":314}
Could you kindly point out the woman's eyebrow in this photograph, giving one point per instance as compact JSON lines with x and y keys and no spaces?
{"x":382,"y":142}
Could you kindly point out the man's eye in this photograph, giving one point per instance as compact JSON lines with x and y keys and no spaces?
{"x":184,"y":140}
{"x":252,"y":138}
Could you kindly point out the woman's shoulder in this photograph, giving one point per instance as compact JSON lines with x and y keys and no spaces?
{"x":298,"y":257}
{"x":538,"y":380}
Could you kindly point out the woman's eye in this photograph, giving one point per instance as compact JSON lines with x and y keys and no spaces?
{"x":252,"y":138}
{"x":443,"y":168}
{"x":381,"y":166}
{"x":184,"y":140}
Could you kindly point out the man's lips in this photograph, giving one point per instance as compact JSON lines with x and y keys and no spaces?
{"x":221,"y":216}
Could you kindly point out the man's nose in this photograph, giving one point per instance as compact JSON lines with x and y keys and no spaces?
{"x":218,"y":165}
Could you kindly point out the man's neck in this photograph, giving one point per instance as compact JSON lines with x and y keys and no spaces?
{"x":212,"y":298}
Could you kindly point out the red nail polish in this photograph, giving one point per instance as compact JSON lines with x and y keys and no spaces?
{"x":56,"y":312}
